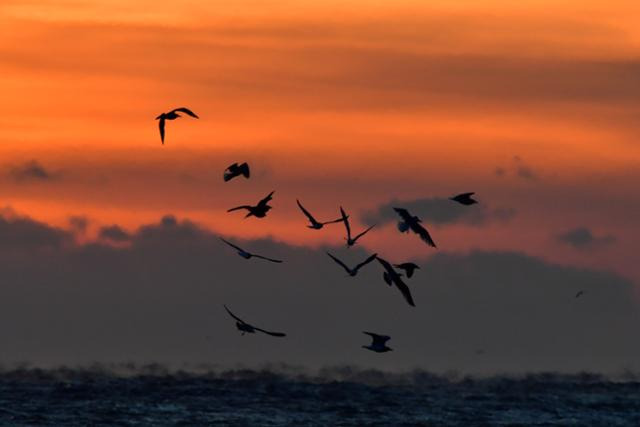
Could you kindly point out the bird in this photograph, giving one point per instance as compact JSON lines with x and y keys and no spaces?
{"x":579,"y":294}
{"x":315,"y":225}
{"x":408,"y":267}
{"x":247,"y":255}
{"x":246,"y":328}
{"x":259,"y":211}
{"x":410,"y":222}
{"x":393,"y":277}
{"x":236,"y":170}
{"x":352,"y":241}
{"x":378,"y":343}
{"x":172,"y":115}
{"x":353,"y":271}
{"x":464,"y":198}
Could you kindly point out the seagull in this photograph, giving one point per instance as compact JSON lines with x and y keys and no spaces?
{"x":378,"y":344}
{"x":408,"y":268}
{"x":392,"y":277}
{"x":350,"y":241}
{"x":236,"y":170}
{"x":247,"y":255}
{"x":353,"y":271}
{"x":172,"y":115}
{"x":315,"y":225}
{"x":259,"y":211}
{"x":246,"y":328}
{"x":464,"y":198}
{"x":413,"y":223}
{"x":579,"y":294}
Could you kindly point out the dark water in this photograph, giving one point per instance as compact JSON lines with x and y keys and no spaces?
{"x":332,"y":397}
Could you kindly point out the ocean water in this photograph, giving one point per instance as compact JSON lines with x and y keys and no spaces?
{"x":331,"y":397}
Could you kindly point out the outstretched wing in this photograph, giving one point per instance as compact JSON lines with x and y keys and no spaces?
{"x":340,"y":262}
{"x":464,"y":195}
{"x":423,"y":233}
{"x":381,"y":339}
{"x":233,"y":315}
{"x":268,"y":259}
{"x":366,"y":261}
{"x":244,"y":169}
{"x":404,"y":214}
{"x":345,"y":219}
{"x":273,"y":334}
{"x":232,"y":245}
{"x":363,"y":233}
{"x":404,"y":289}
{"x":186,"y":111}
{"x":240,"y":207}
{"x":334,"y":221}
{"x":385,"y":264}
{"x":266,"y":200}
{"x":161,"y":126}
{"x":231,"y":172}
{"x":306,"y":212}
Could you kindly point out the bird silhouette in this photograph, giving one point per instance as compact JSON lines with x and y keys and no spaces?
{"x":259,"y":211}
{"x":408,"y":267}
{"x":247,"y":255}
{"x":315,"y":225}
{"x":378,"y":343}
{"x":353,"y":271}
{"x":412,"y":223}
{"x":464,"y":198}
{"x":393,"y":277}
{"x":172,"y":115}
{"x":246,"y":328}
{"x":580,"y":293}
{"x":236,"y":170}
{"x":352,"y":241}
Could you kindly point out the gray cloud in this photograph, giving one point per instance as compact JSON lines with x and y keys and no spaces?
{"x":439,"y":211}
{"x":22,"y":233}
{"x":160,"y":299}
{"x":31,"y":171}
{"x":583,"y":238}
{"x":79,"y":223}
{"x":114,"y":233}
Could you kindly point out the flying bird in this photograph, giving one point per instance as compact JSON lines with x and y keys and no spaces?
{"x":353,"y":271}
{"x":172,"y":115}
{"x":378,"y":343}
{"x":315,"y":225}
{"x":579,"y":294}
{"x":393,"y":277}
{"x":236,"y":170}
{"x":246,"y":328}
{"x":247,"y":255}
{"x":410,"y":222}
{"x":408,"y":267}
{"x":464,"y":198}
{"x":259,"y":211}
{"x":352,"y":241}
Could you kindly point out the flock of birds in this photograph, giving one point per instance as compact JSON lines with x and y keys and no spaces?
{"x":391,"y":276}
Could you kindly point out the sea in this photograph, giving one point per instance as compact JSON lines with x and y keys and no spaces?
{"x":338,"y":396}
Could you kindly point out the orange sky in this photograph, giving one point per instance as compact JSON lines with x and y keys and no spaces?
{"x":333,"y":103}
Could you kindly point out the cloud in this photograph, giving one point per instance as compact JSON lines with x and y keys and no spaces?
{"x":23,"y":233}
{"x":439,"y":211}
{"x":583,"y":238}
{"x":160,"y":299}
{"x":31,"y":171}
{"x":79,"y":223}
{"x":114,"y":233}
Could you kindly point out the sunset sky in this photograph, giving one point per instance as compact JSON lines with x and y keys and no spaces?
{"x":534,"y":105}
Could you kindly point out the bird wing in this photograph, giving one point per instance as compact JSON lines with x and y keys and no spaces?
{"x":240,"y":207}
{"x":244,"y":169}
{"x":268,"y":259}
{"x":161,"y":126}
{"x":382,"y":339}
{"x":404,"y":214}
{"x":366,"y":261}
{"x":404,"y":289}
{"x":233,"y":315}
{"x":385,"y":264}
{"x":306,"y":212}
{"x":334,"y":221}
{"x":186,"y":111}
{"x":273,"y":334}
{"x":230,"y":172}
{"x":340,"y":262}
{"x":466,"y":194}
{"x":266,"y":200}
{"x":232,"y":245}
{"x":345,"y":219}
{"x":363,"y":233}
{"x":423,"y":233}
